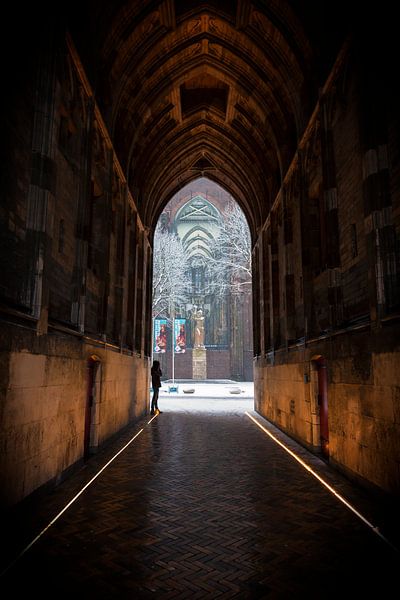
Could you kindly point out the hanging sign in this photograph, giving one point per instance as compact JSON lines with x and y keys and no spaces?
{"x":160,"y":335}
{"x":180,"y":336}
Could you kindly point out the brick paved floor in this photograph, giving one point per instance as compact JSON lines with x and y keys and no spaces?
{"x":202,"y":504}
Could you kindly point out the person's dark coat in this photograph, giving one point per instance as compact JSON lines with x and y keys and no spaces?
{"x":156,"y":377}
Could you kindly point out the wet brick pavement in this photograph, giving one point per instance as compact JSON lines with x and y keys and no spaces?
{"x":202,"y":504}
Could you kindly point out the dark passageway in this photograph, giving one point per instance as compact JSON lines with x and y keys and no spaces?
{"x":109,"y":110}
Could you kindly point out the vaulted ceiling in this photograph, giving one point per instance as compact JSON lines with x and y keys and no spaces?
{"x":219,"y":88}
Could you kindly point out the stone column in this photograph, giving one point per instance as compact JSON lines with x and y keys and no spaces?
{"x":199,"y":363}
{"x":82,"y":225}
{"x":266,"y":243}
{"x":275,"y":283}
{"x":256,"y":300}
{"x":41,"y":196}
{"x":379,"y":227}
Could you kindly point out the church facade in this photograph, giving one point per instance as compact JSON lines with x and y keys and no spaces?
{"x":195,"y":215}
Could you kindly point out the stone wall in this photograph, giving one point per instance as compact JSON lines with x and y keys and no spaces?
{"x":328,"y":282}
{"x":363,"y":408}
{"x":283,"y":398}
{"x":364,"y":420}
{"x":219,"y":364}
{"x":43,"y":400}
{"x":124,"y":391}
{"x":75,"y":286}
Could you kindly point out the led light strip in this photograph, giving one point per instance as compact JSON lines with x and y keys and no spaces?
{"x":324,"y":483}
{"x":72,"y":501}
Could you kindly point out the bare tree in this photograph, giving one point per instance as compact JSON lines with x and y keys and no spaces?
{"x":171,"y":284}
{"x":229,"y":267}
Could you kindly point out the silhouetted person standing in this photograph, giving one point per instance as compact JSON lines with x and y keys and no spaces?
{"x":155,"y":384}
{"x":199,"y":330}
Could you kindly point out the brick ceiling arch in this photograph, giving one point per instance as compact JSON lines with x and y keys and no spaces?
{"x":230,"y":83}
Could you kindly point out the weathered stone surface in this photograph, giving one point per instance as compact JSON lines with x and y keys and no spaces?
{"x":364,"y":429}
{"x":43,"y":413}
{"x":199,"y":358}
{"x":301,"y":127}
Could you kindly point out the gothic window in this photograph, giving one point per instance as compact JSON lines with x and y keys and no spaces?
{"x":198,"y":280}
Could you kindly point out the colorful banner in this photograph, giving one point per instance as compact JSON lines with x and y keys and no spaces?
{"x":180,"y":336}
{"x":160,"y":335}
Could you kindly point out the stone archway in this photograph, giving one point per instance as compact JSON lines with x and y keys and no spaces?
{"x":104,"y":124}
{"x":216,"y":309}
